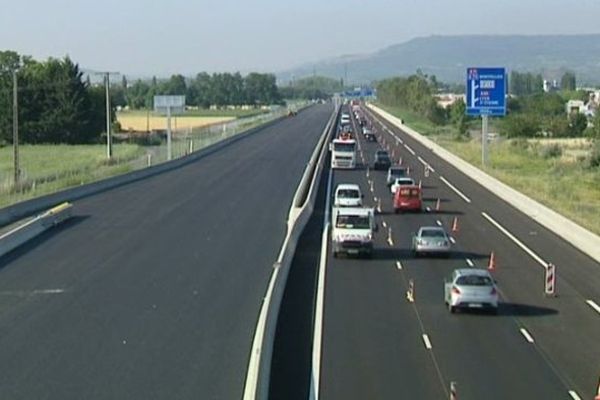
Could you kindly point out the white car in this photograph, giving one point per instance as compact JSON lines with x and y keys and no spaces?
{"x":471,"y":288}
{"x":347,"y":195}
{"x":401,"y":182}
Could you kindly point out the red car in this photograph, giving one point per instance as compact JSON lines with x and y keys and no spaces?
{"x":408,"y":198}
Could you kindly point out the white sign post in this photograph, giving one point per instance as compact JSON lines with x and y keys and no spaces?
{"x":169,"y":105}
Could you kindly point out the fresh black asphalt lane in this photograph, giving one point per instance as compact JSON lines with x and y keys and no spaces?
{"x":154,"y":290}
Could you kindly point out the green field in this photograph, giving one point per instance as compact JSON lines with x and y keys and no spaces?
{"x":563,"y":183}
{"x":48,"y":168}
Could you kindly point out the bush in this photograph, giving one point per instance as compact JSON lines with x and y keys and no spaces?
{"x":594,"y":158}
{"x":521,"y":144}
{"x":551,"y":151}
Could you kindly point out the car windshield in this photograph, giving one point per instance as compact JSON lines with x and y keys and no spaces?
{"x":352,"y":222}
{"x":433,"y":233}
{"x":405,"y":181}
{"x":343,"y":147}
{"x":474,"y":280}
{"x":398,"y":172}
{"x":348,"y":194}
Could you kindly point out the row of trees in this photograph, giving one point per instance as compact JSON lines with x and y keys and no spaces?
{"x":414,"y":93}
{"x":55,"y":105}
{"x":530,"y":113}
{"x":205,"y":90}
{"x":313,"y":87}
{"x":523,"y":84}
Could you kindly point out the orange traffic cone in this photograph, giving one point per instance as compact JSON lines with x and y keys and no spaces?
{"x":420,"y":184}
{"x":455,"y":225}
{"x":492,"y":263}
{"x":437,"y":205}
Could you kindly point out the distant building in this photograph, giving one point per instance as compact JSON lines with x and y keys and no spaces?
{"x":445,"y":100}
{"x":575,"y":106}
{"x":550,"y":86}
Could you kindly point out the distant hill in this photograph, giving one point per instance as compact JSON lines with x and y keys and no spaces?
{"x":448,"y":56}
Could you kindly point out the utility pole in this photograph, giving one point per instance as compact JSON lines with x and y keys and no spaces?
{"x":16,"y":130}
{"x":108,"y":131}
{"x":108,"y":136}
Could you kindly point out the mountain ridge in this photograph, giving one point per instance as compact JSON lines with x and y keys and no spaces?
{"x":448,"y":56}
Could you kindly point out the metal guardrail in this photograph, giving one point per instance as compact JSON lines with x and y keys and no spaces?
{"x":259,"y":365}
{"x":30,"y":229}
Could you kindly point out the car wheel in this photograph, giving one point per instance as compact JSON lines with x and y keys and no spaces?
{"x":494,"y":310}
{"x":451,"y":308}
{"x":335,"y":254}
{"x":396,"y":211}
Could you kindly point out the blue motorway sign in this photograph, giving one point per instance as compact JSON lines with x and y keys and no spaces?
{"x":486,"y":91}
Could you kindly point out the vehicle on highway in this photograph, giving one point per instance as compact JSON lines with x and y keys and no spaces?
{"x":347,"y":195}
{"x":343,"y":153}
{"x":471,"y":288}
{"x":292,"y":113}
{"x":408,"y":198}
{"x":345,"y":119}
{"x":401,"y":182}
{"x":352,"y":231}
{"x":431,"y":240}
{"x":394,"y":172}
{"x":382,"y":160}
{"x":368,"y":134}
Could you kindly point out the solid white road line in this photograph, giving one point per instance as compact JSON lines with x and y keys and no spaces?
{"x":398,"y":265}
{"x":593,"y":304}
{"x":438,"y":222}
{"x":458,"y":192}
{"x":528,"y":337}
{"x":425,"y":163}
{"x":574,"y":395}
{"x":537,"y":258}
{"x":427,"y":342}
{"x":318,"y":329}
{"x":411,"y":151}
{"x":470,"y":263}
{"x":384,"y":224}
{"x":452,"y":240}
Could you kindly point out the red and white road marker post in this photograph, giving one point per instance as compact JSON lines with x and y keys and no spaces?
{"x":550,"y":280}
{"x":410,"y":293}
{"x":426,"y":172}
{"x":453,"y":392}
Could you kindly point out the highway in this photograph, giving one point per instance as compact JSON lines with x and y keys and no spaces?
{"x":377,"y":345}
{"x":153,"y":290}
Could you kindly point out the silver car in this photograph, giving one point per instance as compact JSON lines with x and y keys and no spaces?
{"x":471,"y":288}
{"x":431,"y":239}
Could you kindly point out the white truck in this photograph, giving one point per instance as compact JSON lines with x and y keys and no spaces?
{"x":343,"y":153}
{"x":352,"y":231}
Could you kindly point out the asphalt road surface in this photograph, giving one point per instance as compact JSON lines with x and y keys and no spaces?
{"x":153,"y":290}
{"x":377,"y":345}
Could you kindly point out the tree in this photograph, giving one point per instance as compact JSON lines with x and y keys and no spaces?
{"x":577,"y":124}
{"x":595,"y":131}
{"x":568,"y":81}
{"x":521,"y":125}
{"x":459,"y":117}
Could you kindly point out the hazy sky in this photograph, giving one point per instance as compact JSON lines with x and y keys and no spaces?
{"x":145,"y":37}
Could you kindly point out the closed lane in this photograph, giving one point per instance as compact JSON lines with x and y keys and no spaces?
{"x":163,"y":278}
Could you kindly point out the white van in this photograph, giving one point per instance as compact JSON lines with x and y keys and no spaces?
{"x":347,"y":195}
